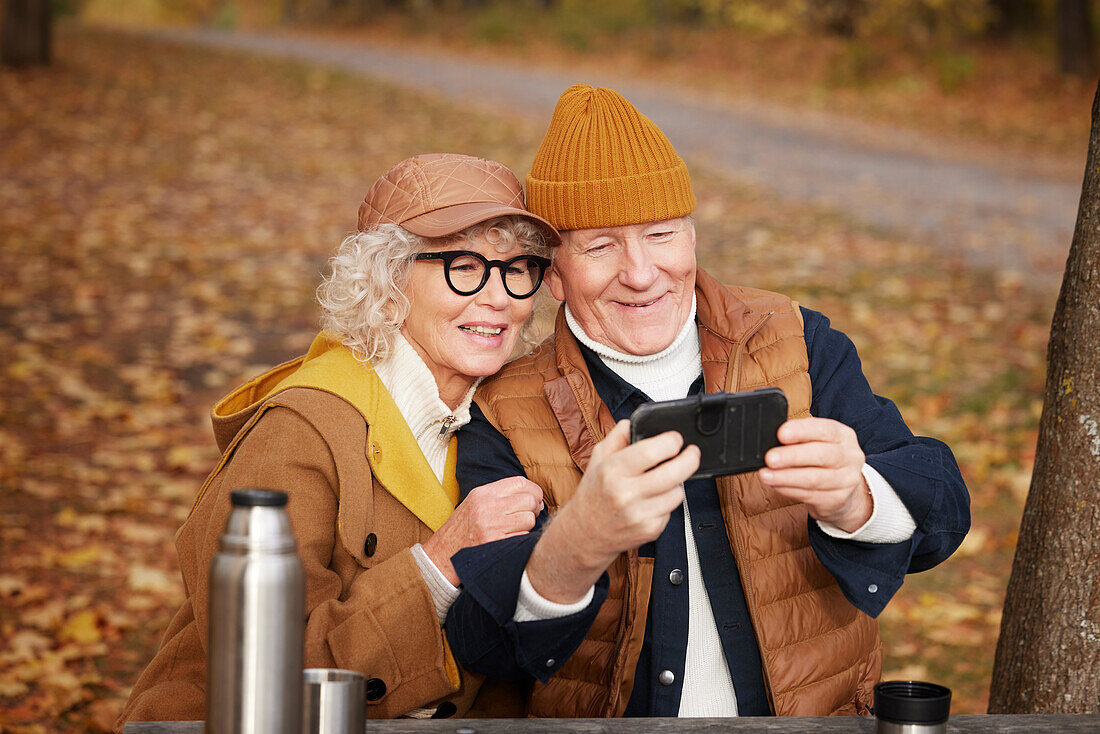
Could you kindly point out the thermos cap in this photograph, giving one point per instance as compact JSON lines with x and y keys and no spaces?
{"x":255,"y":497}
{"x":912,"y":702}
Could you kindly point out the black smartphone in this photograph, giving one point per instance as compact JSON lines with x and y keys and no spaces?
{"x":732,"y":430}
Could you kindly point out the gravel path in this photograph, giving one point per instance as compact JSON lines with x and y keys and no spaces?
{"x":996,"y":214}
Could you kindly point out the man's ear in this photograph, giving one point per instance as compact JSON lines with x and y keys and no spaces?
{"x":553,"y":280}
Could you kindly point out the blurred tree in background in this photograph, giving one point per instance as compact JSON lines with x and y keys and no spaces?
{"x":1064,"y":27}
{"x":27,"y":32}
{"x":1075,"y":46}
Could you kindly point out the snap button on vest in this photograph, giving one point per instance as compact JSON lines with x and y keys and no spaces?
{"x":676,"y":577}
{"x":666,"y":677}
{"x":376,"y":688}
{"x":370,"y":545}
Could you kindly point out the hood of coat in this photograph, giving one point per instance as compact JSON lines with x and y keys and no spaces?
{"x":231,"y":413}
{"x":396,"y":461}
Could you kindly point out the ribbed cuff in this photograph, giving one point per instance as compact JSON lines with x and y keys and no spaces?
{"x":890,"y":521}
{"x":443,"y":593}
{"x":648,"y":196}
{"x":532,"y":606}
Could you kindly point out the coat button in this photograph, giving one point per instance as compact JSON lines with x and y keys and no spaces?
{"x":371,"y":545}
{"x":445,"y":711}
{"x":376,"y":688}
{"x":666,"y":677}
{"x":872,"y":589}
{"x":676,"y":577}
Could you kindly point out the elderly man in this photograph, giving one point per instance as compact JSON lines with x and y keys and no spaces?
{"x":649,"y":593}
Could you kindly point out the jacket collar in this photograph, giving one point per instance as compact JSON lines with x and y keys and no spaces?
{"x":396,"y":460}
{"x":583,"y":417}
{"x":726,"y":323}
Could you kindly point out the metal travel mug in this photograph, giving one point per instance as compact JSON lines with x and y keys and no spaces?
{"x":257,"y":621}
{"x":911,"y":707}
{"x":334,"y":701}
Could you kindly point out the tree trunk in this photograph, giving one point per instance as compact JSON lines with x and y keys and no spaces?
{"x":27,"y":33}
{"x":1048,"y":654}
{"x":1075,"y":54}
{"x":1013,"y":16}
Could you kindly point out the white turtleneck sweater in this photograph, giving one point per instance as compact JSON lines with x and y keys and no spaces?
{"x":413,"y":388}
{"x":668,"y":375}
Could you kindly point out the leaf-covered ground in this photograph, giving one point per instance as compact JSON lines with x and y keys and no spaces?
{"x":165,"y":214}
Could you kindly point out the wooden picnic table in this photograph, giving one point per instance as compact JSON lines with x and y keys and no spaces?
{"x":967,"y":724}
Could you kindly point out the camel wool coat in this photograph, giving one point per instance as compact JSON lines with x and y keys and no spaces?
{"x":324,"y":429}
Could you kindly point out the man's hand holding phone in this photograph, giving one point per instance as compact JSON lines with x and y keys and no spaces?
{"x":732,"y":430}
{"x":623,"y":501}
{"x":820,"y":464}
{"x":629,"y":490}
{"x":816,"y":461}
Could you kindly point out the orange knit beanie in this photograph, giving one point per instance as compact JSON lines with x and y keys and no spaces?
{"x":604,"y":164}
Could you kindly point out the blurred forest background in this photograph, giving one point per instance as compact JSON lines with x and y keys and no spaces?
{"x":166,"y":212}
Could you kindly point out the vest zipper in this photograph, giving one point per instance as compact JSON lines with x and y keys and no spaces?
{"x":735,"y":371}
{"x":735,"y":535}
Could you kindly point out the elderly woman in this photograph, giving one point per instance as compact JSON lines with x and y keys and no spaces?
{"x":430,"y":295}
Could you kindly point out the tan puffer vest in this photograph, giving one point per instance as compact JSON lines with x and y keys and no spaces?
{"x":821,"y":655}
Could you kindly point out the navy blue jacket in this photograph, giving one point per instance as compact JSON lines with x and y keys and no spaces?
{"x":922,"y":472}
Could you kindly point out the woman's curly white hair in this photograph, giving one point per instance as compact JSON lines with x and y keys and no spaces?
{"x":363,"y":300}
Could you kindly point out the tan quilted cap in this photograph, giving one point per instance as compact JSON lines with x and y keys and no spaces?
{"x":438,"y":194}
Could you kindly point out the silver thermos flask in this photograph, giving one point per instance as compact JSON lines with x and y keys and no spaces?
{"x":257,"y":621}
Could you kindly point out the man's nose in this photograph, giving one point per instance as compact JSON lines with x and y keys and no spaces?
{"x":638,"y":270}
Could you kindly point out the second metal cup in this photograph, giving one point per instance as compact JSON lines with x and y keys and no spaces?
{"x":912,"y":707}
{"x":334,"y":701}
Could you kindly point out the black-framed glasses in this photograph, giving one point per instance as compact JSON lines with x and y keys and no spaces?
{"x":468,"y":272}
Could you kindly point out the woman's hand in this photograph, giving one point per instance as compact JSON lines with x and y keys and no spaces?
{"x":490,"y":512}
{"x":821,"y":465}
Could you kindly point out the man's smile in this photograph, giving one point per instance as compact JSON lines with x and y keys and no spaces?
{"x":641,"y":305}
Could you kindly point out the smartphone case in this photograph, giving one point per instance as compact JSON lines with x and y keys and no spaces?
{"x":732,"y":430}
